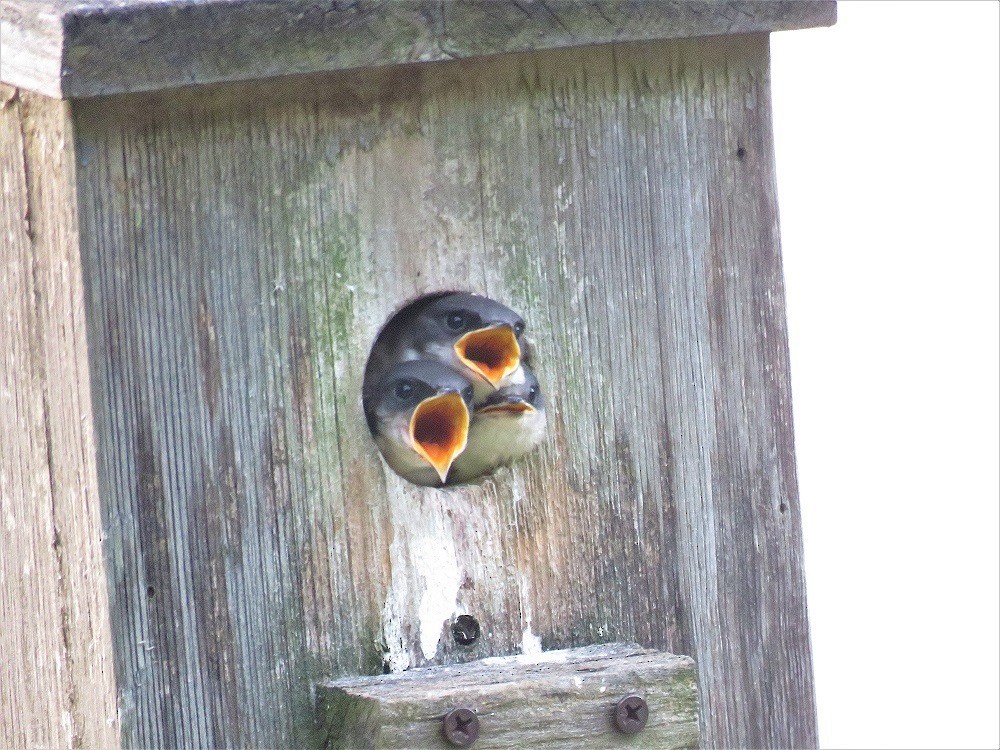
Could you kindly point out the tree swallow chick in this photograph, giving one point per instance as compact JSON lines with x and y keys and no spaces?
{"x":418,"y":413}
{"x":506,"y":426}
{"x":475,"y":335}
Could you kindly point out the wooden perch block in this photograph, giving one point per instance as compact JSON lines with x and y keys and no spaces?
{"x":556,"y":699}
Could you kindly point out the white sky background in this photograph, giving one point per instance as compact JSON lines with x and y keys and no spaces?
{"x":886,"y":129}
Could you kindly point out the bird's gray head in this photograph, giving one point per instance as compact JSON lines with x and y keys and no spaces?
{"x":468,"y":330}
{"x":452,"y":314}
{"x":515,"y":398}
{"x":423,"y":407}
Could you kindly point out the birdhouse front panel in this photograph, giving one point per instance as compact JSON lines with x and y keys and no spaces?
{"x":243,"y":245}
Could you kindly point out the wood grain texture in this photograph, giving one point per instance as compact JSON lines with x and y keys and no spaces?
{"x":559,"y":699}
{"x":56,"y":681}
{"x":79,"y":48}
{"x":241,"y":248}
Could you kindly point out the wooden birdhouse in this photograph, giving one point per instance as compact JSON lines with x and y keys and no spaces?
{"x":209,"y":211}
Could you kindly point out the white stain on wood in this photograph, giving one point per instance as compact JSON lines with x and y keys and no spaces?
{"x":423,"y":592}
{"x":531,"y":644}
{"x":435,"y":561}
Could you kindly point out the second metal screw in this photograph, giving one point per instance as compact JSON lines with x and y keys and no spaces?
{"x":461,"y":727}
{"x":631,"y":714}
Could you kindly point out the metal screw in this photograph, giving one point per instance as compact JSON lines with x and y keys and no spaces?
{"x":631,"y":713}
{"x":465,"y":630}
{"x":461,"y":727}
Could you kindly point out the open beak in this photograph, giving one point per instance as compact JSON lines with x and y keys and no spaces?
{"x":492,"y":352}
{"x":511,"y":407}
{"x":439,"y":429}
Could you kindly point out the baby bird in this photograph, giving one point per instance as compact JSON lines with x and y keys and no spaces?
{"x":418,"y":413}
{"x":477,"y":336}
{"x":506,"y":426}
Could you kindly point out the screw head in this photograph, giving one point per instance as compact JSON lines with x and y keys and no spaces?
{"x":461,"y":727}
{"x":631,"y":714}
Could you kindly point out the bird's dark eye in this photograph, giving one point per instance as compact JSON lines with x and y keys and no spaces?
{"x":455,"y":321}
{"x":403,"y":390}
{"x":467,"y":393}
{"x":532,"y":394}
{"x":518,"y":328}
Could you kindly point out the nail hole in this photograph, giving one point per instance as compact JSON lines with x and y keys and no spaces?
{"x":465,"y":630}
{"x":741,"y":152}
{"x":150,"y":592}
{"x":782,"y":507}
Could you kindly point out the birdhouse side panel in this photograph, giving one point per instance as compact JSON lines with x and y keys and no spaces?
{"x":57,"y":687}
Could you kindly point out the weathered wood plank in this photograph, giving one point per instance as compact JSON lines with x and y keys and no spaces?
{"x":557,"y":699}
{"x":242,"y":246}
{"x":78,"y":48}
{"x":57,"y":688}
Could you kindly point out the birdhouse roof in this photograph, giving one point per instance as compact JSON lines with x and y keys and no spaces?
{"x":82,"y":48}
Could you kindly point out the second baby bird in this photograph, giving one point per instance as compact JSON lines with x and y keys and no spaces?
{"x":506,"y":426}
